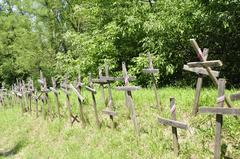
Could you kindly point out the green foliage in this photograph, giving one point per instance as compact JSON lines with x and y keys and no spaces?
{"x":68,"y":37}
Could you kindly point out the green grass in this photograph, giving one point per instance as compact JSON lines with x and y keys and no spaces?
{"x":30,"y":137}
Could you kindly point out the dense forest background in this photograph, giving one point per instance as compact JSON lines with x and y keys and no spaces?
{"x":70,"y":36}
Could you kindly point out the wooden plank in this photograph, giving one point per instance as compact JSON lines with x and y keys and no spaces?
{"x":201,"y":57}
{"x":219,"y":121}
{"x":128,"y":88}
{"x":235,"y":97}
{"x":100,"y":75}
{"x":222,"y":111}
{"x":176,"y":145}
{"x":129,"y":100}
{"x":91,"y":89}
{"x":213,"y":63}
{"x":112,"y":79}
{"x":200,"y":70}
{"x":173,"y":123}
{"x":110,"y":103}
{"x":197,"y":95}
{"x":151,"y":70}
{"x":109,"y":112}
{"x":209,"y":70}
{"x":100,"y":81}
{"x":54,"y":90}
{"x":79,"y":88}
{"x":94,"y":100}
{"x":76,"y":92}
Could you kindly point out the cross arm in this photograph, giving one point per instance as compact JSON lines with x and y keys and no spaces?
{"x":200,"y":70}
{"x":151,"y":70}
{"x":220,"y":110}
{"x":91,"y":89}
{"x":77,"y":93}
{"x":172,"y":123}
{"x":213,"y":63}
{"x":128,"y":88}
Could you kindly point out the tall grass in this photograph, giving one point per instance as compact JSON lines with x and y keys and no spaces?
{"x":30,"y":137}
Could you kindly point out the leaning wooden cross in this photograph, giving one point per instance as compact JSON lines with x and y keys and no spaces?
{"x":91,"y":89}
{"x":152,"y":71}
{"x":127,"y":89}
{"x":219,"y":110}
{"x":45,"y":97}
{"x":65,"y":87}
{"x":203,"y":68}
{"x":175,"y":124}
{"x":76,"y":88}
{"x":55,"y":92}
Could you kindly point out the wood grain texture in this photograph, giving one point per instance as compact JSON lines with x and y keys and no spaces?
{"x":200,"y":70}
{"x":213,"y":63}
{"x":173,"y":123}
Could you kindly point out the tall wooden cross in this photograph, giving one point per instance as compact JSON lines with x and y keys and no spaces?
{"x":175,"y":124}
{"x":93,"y":92}
{"x":45,"y":91}
{"x":219,"y":111}
{"x":65,"y":87}
{"x":76,"y":88}
{"x":20,"y":96}
{"x":153,"y":71}
{"x":2,"y":90}
{"x":129,"y":100}
{"x":30,"y":90}
{"x":203,"y":68}
{"x":55,"y":92}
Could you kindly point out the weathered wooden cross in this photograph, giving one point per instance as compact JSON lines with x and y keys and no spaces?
{"x":203,"y":68}
{"x":30,"y":91}
{"x":76,"y":88}
{"x":45,"y":97}
{"x":2,"y":91}
{"x":65,"y":87}
{"x":129,"y":100}
{"x":55,"y":92}
{"x":153,"y":71}
{"x":93,"y":92}
{"x":219,"y":110}
{"x":175,"y":124}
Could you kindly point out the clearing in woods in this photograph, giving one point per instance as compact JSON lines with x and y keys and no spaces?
{"x":28,"y":137}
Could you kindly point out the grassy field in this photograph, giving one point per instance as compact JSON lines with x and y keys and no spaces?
{"x":28,"y":137}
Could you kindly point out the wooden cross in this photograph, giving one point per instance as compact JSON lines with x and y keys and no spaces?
{"x":55,"y":92}
{"x":78,"y":87}
{"x":203,"y":68}
{"x":102,"y":82}
{"x":129,"y":100}
{"x":20,"y":96}
{"x":2,"y":95}
{"x":24,"y":96}
{"x":30,"y":93}
{"x":153,"y":71}
{"x":77,"y":90}
{"x":219,"y":110}
{"x":45,"y":92}
{"x":65,"y":87}
{"x":175,"y":124}
{"x":93,"y":92}
{"x":35,"y":97}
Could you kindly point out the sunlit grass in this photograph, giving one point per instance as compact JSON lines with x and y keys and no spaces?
{"x":54,"y":138}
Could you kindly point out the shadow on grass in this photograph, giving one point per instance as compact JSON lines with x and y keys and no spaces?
{"x":12,"y":151}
